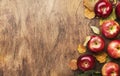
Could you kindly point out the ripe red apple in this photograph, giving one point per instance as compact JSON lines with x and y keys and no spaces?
{"x":103,"y":8}
{"x":96,"y":44}
{"x":110,"y":29}
{"x":86,"y":62}
{"x":111,"y":69}
{"x":113,"y":49}
{"x":117,"y":10}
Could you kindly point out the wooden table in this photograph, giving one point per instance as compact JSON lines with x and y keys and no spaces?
{"x":40,"y":37}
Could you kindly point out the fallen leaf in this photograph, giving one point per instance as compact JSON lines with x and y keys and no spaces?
{"x":90,"y":4}
{"x":95,"y":29}
{"x":89,"y":14}
{"x":81,"y":49}
{"x":73,"y":64}
{"x":86,"y":40}
{"x":101,"y":57}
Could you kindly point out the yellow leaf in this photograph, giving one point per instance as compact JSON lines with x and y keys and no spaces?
{"x":90,"y":4}
{"x":73,"y":64}
{"x":81,"y":49}
{"x":95,"y":29}
{"x":101,"y":57}
{"x":89,"y":14}
{"x":86,"y":40}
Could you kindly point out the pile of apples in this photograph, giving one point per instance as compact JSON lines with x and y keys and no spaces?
{"x":110,"y":30}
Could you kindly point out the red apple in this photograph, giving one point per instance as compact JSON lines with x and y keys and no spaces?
{"x":86,"y":62}
{"x":117,"y":10}
{"x":96,"y":44}
{"x":110,"y":29}
{"x":113,"y":49}
{"x":103,"y":8}
{"x":111,"y":69}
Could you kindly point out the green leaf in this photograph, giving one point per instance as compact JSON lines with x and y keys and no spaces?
{"x":111,"y":17}
{"x":97,"y":73}
{"x":108,"y":59}
{"x":89,"y":73}
{"x":83,"y":74}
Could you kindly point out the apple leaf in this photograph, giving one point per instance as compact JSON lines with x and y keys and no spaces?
{"x":95,"y":29}
{"x":111,"y":17}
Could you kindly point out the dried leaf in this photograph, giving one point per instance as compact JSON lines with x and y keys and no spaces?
{"x":89,"y":14}
{"x":86,"y":40}
{"x":101,"y":57}
{"x":81,"y":49}
{"x":95,"y":29}
{"x":90,"y":4}
{"x":73,"y":64}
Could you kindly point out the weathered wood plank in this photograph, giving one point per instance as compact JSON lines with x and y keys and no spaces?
{"x":39,"y":37}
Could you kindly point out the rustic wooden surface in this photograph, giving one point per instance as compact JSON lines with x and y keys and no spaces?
{"x":40,"y":37}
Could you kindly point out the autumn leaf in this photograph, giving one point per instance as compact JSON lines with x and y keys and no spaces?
{"x":89,"y":8}
{"x":73,"y":64}
{"x":95,"y":29}
{"x":90,"y":4}
{"x":89,"y":14}
{"x":86,"y":40}
{"x":81,"y":49}
{"x":101,"y":57}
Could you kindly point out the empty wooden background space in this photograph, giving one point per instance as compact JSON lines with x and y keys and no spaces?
{"x":40,"y":37}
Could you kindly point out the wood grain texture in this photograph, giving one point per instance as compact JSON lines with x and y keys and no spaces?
{"x":40,"y":37}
